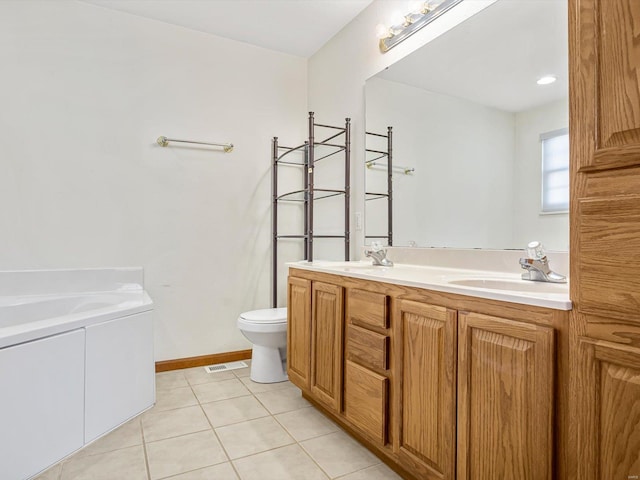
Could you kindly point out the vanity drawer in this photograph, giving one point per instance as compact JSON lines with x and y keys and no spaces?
{"x":368,"y":308}
{"x":366,"y":401}
{"x":367,"y":348}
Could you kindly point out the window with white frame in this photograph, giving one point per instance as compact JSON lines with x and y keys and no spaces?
{"x":555,"y":171}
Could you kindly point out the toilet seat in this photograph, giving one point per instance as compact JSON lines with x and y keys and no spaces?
{"x":267,"y":315}
{"x":265,"y":321}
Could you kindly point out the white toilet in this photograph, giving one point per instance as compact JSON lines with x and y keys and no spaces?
{"x":267,"y":330}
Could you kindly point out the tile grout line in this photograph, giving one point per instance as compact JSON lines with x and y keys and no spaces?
{"x":359,"y":470}
{"x":198,"y":403}
{"x":144,"y":438}
{"x":176,"y":475}
{"x":219,"y":381}
{"x":214,"y":430}
{"x":218,"y":438}
{"x":175,"y":436}
{"x":144,"y":449}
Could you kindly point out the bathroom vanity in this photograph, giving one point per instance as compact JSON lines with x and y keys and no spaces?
{"x":443,"y":373}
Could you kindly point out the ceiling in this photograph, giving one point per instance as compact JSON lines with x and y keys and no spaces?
{"x":495,"y":57}
{"x":296,"y":27}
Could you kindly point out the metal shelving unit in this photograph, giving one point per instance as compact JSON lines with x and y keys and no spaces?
{"x":313,"y":151}
{"x":385,"y":159}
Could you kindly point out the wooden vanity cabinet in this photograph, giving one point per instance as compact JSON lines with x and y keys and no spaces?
{"x":314,"y":338}
{"x":440,"y":386}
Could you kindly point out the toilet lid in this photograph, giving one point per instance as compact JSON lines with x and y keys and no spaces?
{"x":267,"y":315}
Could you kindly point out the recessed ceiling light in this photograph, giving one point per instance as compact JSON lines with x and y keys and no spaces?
{"x":546,"y":80}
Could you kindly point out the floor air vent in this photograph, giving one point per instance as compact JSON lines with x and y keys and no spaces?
{"x":223,"y":367}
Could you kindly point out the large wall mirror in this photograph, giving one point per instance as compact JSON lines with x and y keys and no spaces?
{"x":470,"y":127}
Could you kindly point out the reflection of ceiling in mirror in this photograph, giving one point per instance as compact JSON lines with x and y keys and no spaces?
{"x":495,"y":57}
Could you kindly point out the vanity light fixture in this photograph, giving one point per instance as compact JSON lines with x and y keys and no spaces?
{"x":403,"y":27}
{"x":546,"y":80}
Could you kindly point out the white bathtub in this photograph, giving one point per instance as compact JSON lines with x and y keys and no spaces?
{"x":26,"y":318}
{"x":76,"y":361}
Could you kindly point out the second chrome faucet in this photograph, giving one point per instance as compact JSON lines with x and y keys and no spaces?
{"x":537,"y":267}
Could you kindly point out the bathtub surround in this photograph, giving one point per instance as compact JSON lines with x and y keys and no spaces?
{"x":76,"y":361}
{"x":86,"y":93}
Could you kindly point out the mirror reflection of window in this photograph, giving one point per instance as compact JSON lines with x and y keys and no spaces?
{"x":555,"y":171}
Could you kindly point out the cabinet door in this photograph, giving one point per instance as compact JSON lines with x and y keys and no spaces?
{"x":120,"y":372}
{"x":609,"y":437}
{"x":326,"y":343}
{"x":299,"y":331}
{"x":505,"y":399}
{"x":425,"y":382}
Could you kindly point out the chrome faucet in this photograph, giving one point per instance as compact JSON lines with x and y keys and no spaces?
{"x":536,"y":265}
{"x":379,"y":255}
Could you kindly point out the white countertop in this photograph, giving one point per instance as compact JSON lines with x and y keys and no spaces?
{"x":508,"y":287}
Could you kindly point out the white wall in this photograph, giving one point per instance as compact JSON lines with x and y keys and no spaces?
{"x":528,"y":224}
{"x":338,"y":71}
{"x":85,"y":93}
{"x":460,"y":194}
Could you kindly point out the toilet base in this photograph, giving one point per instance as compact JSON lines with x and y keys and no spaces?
{"x":267,"y":365}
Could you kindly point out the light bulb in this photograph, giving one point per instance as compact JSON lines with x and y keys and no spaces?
{"x":415,"y":7}
{"x":397,"y":19}
{"x":546,"y":80}
{"x":382,"y":31}
{"x":432,"y":5}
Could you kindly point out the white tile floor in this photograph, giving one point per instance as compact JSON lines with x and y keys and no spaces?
{"x":223,"y":426}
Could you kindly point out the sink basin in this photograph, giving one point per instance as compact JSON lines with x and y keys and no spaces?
{"x":512,"y":285}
